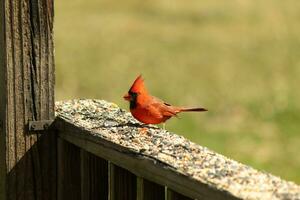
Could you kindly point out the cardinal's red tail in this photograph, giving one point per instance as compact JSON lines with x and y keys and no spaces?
{"x":193,"y":109}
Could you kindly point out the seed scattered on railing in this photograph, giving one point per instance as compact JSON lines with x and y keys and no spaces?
{"x":108,"y":121}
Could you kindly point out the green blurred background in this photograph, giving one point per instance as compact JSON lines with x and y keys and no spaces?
{"x":238,"y":58}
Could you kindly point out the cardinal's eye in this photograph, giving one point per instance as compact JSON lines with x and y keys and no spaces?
{"x":133,"y":94}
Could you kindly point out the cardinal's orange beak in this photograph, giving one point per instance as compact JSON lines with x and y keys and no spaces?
{"x":127,"y":97}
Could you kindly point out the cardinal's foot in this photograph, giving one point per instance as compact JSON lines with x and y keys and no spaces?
{"x":143,"y":130}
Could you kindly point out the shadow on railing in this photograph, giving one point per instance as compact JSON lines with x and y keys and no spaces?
{"x":103,"y":153}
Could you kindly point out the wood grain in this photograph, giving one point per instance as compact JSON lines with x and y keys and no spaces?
{"x":28,"y":162}
{"x":69,"y":179}
{"x":94,"y":177}
{"x":139,"y":188}
{"x":122,"y":183}
{"x":148,"y":190}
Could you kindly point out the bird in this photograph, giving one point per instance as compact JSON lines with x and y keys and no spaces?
{"x":149,"y":109}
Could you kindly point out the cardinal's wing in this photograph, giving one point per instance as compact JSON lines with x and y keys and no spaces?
{"x":161,"y":109}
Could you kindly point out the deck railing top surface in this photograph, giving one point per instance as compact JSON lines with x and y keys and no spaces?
{"x":105,"y":123}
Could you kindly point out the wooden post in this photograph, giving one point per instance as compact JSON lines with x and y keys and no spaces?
{"x":27,"y":160}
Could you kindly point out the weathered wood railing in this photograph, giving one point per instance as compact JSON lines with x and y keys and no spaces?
{"x":103,"y":153}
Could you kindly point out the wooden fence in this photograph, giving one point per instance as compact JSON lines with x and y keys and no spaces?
{"x":93,"y":149}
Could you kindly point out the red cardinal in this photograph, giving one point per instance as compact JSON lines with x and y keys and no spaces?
{"x":149,"y":109}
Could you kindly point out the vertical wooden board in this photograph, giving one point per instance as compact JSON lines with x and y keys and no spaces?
{"x":47,"y":145}
{"x":111,"y":181}
{"x":139,"y":188}
{"x":8,"y":106}
{"x":27,"y":162}
{"x":68,"y":172}
{"x":94,"y":177}
{"x":33,"y":185}
{"x":172,"y":195}
{"x":18,"y":99}
{"x":2,"y":103}
{"x":153,"y":191}
{"x":122,"y":184}
{"x":148,"y":190}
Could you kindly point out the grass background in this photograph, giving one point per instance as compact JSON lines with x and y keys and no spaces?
{"x":238,"y":58}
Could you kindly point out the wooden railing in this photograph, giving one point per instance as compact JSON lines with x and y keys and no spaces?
{"x":103,"y":153}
